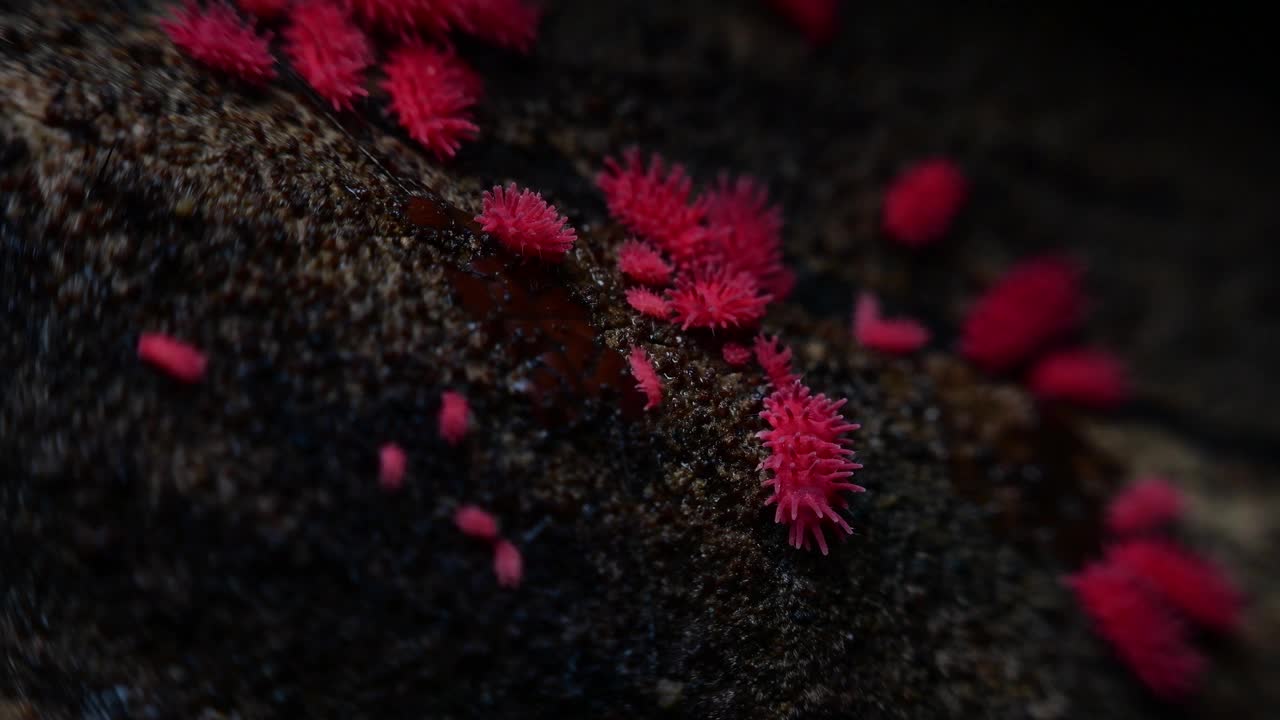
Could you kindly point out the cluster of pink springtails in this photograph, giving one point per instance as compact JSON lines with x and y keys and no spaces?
{"x":1146,"y":587}
{"x":714,"y":262}
{"x":331,"y":44}
{"x":184,"y":362}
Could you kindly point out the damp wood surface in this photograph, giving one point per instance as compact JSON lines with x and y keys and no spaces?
{"x":224,"y":549}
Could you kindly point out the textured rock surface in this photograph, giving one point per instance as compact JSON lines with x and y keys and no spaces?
{"x":224,"y":549}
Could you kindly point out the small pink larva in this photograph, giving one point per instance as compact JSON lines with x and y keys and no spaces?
{"x":476,"y":522}
{"x":1143,"y":630}
{"x":176,"y":358}
{"x":736,"y":354}
{"x":507,"y":564}
{"x":1145,"y":507}
{"x":1193,"y":585}
{"x":647,"y":380}
{"x":898,"y":336}
{"x":329,"y":51}
{"x":647,"y":302}
{"x":775,"y":359}
{"x":455,"y":417}
{"x":217,"y":37}
{"x":640,"y":262}
{"x":525,"y":223}
{"x":923,"y":201}
{"x":391,"y":467}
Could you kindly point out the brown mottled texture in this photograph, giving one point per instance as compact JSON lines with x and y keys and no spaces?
{"x":224,"y":550}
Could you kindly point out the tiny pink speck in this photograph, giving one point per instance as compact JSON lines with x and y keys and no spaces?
{"x":736,"y":354}
{"x":455,"y":418}
{"x":1144,"y":507}
{"x":477,"y":523}
{"x":922,"y":202}
{"x":647,"y":380}
{"x":391,"y":466}
{"x":507,"y":564}
{"x":178,"y":359}
{"x":898,"y":336}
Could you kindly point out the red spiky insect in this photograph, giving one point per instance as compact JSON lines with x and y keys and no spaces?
{"x":747,"y":233}
{"x":476,"y":522}
{"x":328,"y":51}
{"x":654,"y":202}
{"x":646,"y":376}
{"x":809,"y":462}
{"x":642,"y":263}
{"x":391,"y":467}
{"x":1144,"y":632}
{"x":717,"y":297}
{"x":736,"y":354}
{"x":455,"y":417}
{"x":178,"y":359}
{"x":216,"y":37}
{"x":648,"y":302}
{"x":432,"y":93}
{"x":1188,"y":583}
{"x":775,"y":359}
{"x":1036,"y":302}
{"x":265,"y":9}
{"x":525,"y":223}
{"x":1092,"y":378}
{"x":923,"y":201}
{"x":511,"y":24}
{"x":898,"y":336}
{"x":1144,"y":507}
{"x":508,"y":565}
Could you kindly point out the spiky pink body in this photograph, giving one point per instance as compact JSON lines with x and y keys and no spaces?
{"x":328,"y":51}
{"x":646,"y":376}
{"x":747,"y":233}
{"x":178,"y":359}
{"x":391,"y":467}
{"x":736,"y":354}
{"x":1144,"y":632}
{"x":923,"y":201}
{"x":717,"y":298}
{"x":809,"y":461}
{"x":455,"y":417}
{"x":216,"y":37}
{"x":476,"y":522}
{"x":511,"y":24}
{"x":898,"y":336}
{"x":648,"y":302}
{"x":654,"y":202}
{"x":1192,"y":585}
{"x":775,"y":360}
{"x":265,"y":9}
{"x":1093,"y":378}
{"x":1036,"y":302}
{"x":508,"y":565}
{"x":432,"y":93}
{"x":642,"y":263}
{"x":525,"y":223}
{"x":1145,"y":506}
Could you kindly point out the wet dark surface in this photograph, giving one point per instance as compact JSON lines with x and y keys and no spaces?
{"x":224,"y":550}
